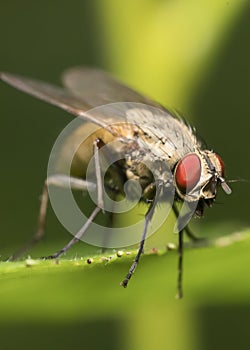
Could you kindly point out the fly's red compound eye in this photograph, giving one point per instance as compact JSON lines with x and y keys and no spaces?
{"x":220,"y":161}
{"x":188,"y":172}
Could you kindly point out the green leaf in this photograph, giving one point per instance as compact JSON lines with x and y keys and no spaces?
{"x":70,"y":286}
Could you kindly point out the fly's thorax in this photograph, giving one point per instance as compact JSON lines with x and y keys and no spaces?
{"x":149,"y":171}
{"x":197,"y":176}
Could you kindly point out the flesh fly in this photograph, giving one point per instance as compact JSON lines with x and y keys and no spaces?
{"x":156,"y":149}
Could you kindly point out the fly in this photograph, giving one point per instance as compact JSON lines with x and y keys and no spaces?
{"x":144,"y":132}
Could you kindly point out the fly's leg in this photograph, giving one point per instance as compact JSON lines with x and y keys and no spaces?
{"x":77,"y":237}
{"x":195,"y":239}
{"x":40,"y":225}
{"x":62,"y":181}
{"x":148,"y":218}
{"x":94,"y":213}
{"x":118,"y":181}
{"x":180,"y":266}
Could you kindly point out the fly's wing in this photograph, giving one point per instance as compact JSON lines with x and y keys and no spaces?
{"x":54,"y":95}
{"x":85,"y":88}
{"x":97,"y":87}
{"x":98,"y":98}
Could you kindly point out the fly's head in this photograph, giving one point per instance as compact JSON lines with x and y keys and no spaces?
{"x":197,"y":177}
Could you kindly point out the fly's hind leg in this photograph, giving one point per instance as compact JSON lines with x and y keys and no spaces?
{"x":62,"y":181}
{"x":98,"y":208}
{"x":65,"y":182}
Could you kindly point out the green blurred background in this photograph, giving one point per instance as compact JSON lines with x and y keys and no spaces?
{"x":190,"y":55}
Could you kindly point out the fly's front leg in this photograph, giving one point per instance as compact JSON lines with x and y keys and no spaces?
{"x":62,"y":181}
{"x":148,"y":218}
{"x":195,"y":239}
{"x":180,"y":266}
